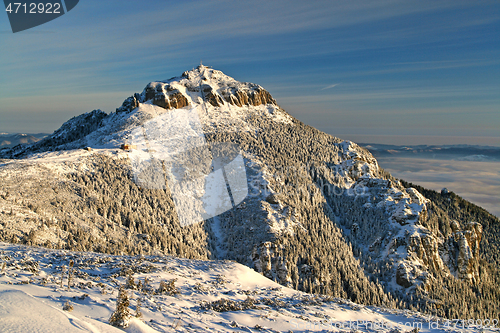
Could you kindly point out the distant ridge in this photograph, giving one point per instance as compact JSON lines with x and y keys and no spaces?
{"x":14,"y":139}
{"x":460,"y":152}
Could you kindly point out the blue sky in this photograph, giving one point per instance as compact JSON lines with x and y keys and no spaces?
{"x":370,"y":71}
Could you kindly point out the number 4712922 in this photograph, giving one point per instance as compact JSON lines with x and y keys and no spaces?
{"x":33,"y":8}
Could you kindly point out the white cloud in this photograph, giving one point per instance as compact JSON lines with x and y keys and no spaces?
{"x":330,"y":86}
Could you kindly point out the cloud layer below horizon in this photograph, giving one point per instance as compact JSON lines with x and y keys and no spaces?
{"x":478,"y":182}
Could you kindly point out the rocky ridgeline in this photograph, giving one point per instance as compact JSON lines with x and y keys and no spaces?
{"x":165,"y":96}
{"x":226,"y":88}
{"x":194,"y":87}
{"x":72,"y":130}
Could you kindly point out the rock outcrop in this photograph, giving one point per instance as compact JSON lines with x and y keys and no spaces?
{"x":463,"y":248}
{"x":211,"y":96}
{"x":130,"y":103}
{"x":426,"y":248}
{"x":251,"y":95}
{"x":165,"y":96}
{"x":457,"y":254}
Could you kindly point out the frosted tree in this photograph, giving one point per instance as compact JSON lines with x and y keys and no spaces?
{"x":70,"y":273}
{"x":122,"y":314}
{"x":130,"y":283}
{"x":138,"y":312}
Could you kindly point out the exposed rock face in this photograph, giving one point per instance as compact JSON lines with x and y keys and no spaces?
{"x":457,"y":254}
{"x":426,"y":248}
{"x":273,"y":199}
{"x":464,"y":251}
{"x":253,"y":95}
{"x":423,"y":252}
{"x":168,"y":96}
{"x":165,"y":96}
{"x":418,"y":249}
{"x":130,"y":103}
{"x":403,"y":276}
{"x":250,"y":95}
{"x":267,"y":260}
{"x":409,"y":274}
{"x":473,"y":232}
{"x":211,"y":96}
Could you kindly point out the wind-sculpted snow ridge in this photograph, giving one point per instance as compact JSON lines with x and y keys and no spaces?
{"x":63,"y":291}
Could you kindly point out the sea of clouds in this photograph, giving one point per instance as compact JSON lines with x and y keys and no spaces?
{"x":476,"y":181}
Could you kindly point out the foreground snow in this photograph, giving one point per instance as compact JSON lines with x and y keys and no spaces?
{"x":32,"y":297}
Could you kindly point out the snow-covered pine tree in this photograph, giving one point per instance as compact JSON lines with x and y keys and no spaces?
{"x":138,"y":312}
{"x":122,"y":315}
{"x":70,"y":273}
{"x":130,"y":284}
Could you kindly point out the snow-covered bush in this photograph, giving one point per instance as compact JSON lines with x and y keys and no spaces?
{"x":224,"y":305}
{"x":68,"y":306}
{"x":168,"y":287}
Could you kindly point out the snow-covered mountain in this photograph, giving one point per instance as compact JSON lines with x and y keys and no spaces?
{"x":319,"y":214}
{"x":224,"y":104}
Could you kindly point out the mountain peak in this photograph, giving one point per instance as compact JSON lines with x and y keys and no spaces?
{"x":201,"y":84}
{"x":221,"y":103}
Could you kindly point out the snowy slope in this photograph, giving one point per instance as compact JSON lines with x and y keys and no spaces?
{"x":32,"y":298}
